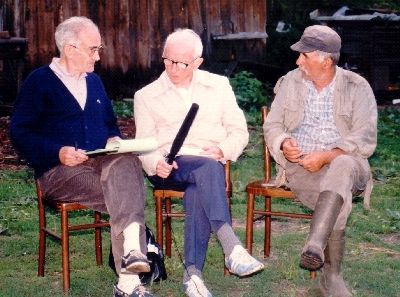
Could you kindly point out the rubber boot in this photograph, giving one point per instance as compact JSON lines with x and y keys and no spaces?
{"x":325,"y":215}
{"x":331,"y":281}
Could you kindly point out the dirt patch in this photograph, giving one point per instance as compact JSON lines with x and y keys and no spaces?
{"x":288,"y":287}
{"x":392,"y":238}
{"x":366,"y":248}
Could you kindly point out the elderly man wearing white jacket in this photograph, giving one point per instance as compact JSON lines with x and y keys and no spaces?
{"x":218,"y":133}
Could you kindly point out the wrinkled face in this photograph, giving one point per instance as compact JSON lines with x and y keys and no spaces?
{"x":85,"y":54}
{"x":179,"y":62}
{"x":311,"y":64}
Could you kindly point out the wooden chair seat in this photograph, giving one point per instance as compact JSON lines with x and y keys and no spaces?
{"x":64,"y":208}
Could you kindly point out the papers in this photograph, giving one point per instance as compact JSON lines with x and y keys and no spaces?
{"x":138,"y":146}
{"x":190,"y":151}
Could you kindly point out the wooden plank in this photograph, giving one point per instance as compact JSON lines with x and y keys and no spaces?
{"x":123,"y":46}
{"x":195,"y":17}
{"x":180,"y":10}
{"x":213,"y":24}
{"x":261,"y":15}
{"x":249,"y":17}
{"x":31,"y":22}
{"x":109,"y":32}
{"x":238,"y":17}
{"x":142,"y":33}
{"x":155,"y":40}
{"x":213,"y":20}
{"x":226,"y":22}
{"x":166,"y":18}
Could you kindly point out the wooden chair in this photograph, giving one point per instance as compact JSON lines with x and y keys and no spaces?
{"x":266,"y":189}
{"x":164,"y":213}
{"x":64,"y":208}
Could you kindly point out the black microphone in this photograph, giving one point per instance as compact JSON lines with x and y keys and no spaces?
{"x":182,"y":133}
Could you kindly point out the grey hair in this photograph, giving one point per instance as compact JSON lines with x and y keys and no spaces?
{"x":185,"y":34}
{"x":334,"y":56}
{"x":68,"y":31}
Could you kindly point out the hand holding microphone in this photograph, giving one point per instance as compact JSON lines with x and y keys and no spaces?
{"x":164,"y":167}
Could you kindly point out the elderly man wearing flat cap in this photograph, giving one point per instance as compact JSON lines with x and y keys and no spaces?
{"x":321,"y":130}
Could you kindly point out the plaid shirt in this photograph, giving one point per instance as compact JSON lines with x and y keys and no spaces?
{"x":317,"y":131}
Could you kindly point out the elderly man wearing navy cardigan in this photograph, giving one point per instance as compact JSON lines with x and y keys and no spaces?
{"x":62,"y":111}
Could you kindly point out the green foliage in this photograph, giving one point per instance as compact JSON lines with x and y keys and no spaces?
{"x":250,"y":93}
{"x":394,"y":219}
{"x":123,"y":108}
{"x":386,"y":160}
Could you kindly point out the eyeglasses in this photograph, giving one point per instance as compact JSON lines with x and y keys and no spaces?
{"x":180,"y":65}
{"x":92,"y":49}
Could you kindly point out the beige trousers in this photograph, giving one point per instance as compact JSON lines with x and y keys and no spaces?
{"x":345,"y":175}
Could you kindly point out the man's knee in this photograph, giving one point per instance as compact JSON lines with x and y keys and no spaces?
{"x":121,"y":164}
{"x":126,"y":160}
{"x":213,"y":166}
{"x":343,"y":166}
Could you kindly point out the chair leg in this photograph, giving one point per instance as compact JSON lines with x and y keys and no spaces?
{"x":159,"y":221}
{"x":313,"y":274}
{"x":249,"y":222}
{"x":267,"y":235}
{"x":97,"y":239}
{"x":42,"y":240}
{"x":65,"y":250}
{"x":168,"y":239}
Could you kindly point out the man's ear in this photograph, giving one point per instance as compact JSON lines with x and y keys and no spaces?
{"x":328,"y":62}
{"x":68,"y":50}
{"x":198,"y":62}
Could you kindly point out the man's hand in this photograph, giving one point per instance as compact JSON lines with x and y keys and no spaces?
{"x":291,"y":150}
{"x":213,"y":152}
{"x":316,"y":160}
{"x":163,"y":169}
{"x":71,"y":157}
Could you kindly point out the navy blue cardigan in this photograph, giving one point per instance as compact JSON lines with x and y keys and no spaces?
{"x":47,"y":117}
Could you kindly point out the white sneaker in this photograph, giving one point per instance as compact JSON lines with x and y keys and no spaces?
{"x":195,"y":287}
{"x":241,"y":263}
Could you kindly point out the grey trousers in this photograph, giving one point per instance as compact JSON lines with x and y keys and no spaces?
{"x":345,"y":175}
{"x":111,"y":184}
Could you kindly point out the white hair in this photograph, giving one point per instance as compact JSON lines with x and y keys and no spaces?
{"x":324,"y":55}
{"x":184,"y":34}
{"x":67,"y":32}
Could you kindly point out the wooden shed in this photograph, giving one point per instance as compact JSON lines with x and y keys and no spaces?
{"x":134,"y":30}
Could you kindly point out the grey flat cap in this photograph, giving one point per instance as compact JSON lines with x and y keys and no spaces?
{"x":320,"y":38}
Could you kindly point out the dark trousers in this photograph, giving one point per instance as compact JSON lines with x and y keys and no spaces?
{"x":205,"y":202}
{"x":110,"y":184}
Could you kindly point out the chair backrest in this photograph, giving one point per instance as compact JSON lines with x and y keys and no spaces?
{"x":267,"y":156}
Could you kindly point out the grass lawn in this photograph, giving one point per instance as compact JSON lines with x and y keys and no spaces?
{"x":371,"y":267}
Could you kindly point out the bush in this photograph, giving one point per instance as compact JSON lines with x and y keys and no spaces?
{"x":123,"y":109}
{"x":250,"y":92}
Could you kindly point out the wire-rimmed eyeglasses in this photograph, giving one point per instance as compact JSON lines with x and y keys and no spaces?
{"x":92,"y":49}
{"x":180,"y":65}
